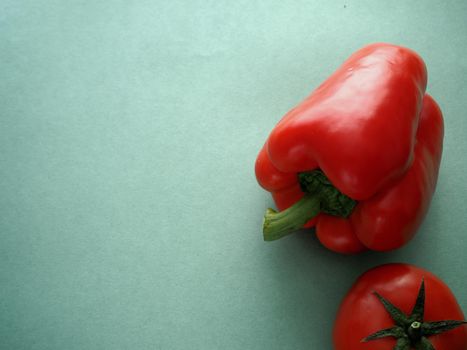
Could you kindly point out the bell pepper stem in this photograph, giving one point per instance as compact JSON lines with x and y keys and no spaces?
{"x":279,"y":224}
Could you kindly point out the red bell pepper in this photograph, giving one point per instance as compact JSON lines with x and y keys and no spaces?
{"x":359,"y":157}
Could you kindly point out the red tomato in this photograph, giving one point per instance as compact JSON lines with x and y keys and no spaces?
{"x":362,"y":313}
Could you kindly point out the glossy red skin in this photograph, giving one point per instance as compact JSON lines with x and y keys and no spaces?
{"x":362,"y":314}
{"x":378,"y":138}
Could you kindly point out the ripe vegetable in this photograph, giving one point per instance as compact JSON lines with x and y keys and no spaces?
{"x":358,"y":158}
{"x":400,"y":307}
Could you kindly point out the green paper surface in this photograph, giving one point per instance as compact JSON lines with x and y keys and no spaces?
{"x":130,"y":217}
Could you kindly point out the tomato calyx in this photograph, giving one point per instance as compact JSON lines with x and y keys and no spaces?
{"x":412,"y":331}
{"x":320,"y":197}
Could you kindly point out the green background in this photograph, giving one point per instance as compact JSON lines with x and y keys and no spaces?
{"x":130,"y":217}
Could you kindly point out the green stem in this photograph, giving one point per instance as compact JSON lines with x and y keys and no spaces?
{"x":409,"y":332}
{"x":279,"y":224}
{"x":415,"y":332}
{"x":320,"y":196}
